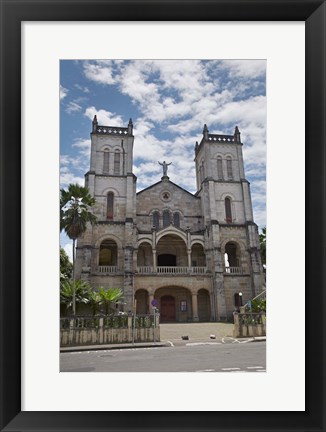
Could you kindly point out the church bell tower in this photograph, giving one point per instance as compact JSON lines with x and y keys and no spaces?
{"x":232,"y":235}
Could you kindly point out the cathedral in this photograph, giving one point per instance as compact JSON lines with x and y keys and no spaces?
{"x":194,"y":256}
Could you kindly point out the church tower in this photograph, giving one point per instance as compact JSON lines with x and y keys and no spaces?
{"x":108,"y":245}
{"x":231,"y":235}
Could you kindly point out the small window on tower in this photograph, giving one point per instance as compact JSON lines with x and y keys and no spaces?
{"x":117,"y":162}
{"x":229,"y":168}
{"x":228,"y":213}
{"x":109,"y":209}
{"x":219,"y":168}
{"x":106,"y":162}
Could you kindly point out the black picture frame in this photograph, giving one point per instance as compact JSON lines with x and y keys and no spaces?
{"x":13,"y":13}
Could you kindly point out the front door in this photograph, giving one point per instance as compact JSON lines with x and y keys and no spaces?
{"x":167,"y":312}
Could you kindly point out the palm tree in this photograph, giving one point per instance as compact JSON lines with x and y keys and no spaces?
{"x":110,"y":297}
{"x":94,"y":301}
{"x":75,"y":205}
{"x":71,"y":291}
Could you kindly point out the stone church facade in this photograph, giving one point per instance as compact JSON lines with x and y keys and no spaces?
{"x":196,"y":255}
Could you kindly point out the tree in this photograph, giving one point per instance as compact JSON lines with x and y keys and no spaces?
{"x":74,"y":291}
{"x":262,"y":241}
{"x":65,"y":266}
{"x":109,"y":298}
{"x":75,"y":213}
{"x":94,"y":301}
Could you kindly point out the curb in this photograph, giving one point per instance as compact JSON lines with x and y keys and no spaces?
{"x":112,"y":347}
{"x":259,"y":339}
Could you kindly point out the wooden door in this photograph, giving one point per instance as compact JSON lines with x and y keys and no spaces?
{"x":167,"y":310}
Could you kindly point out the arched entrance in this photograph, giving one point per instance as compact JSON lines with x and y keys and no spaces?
{"x":204,"y":305}
{"x":171,"y":251}
{"x":167,"y":308}
{"x":174,"y":304}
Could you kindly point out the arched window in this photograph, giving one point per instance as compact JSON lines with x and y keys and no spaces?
{"x":176,"y":220}
{"x":106,"y":158}
{"x":108,"y":253}
{"x":228,"y":212}
{"x":229,"y":168}
{"x":109,"y":206}
{"x":156,"y":220}
{"x":219,"y":168}
{"x":232,"y":252}
{"x":117,"y":162}
{"x":166,"y":218}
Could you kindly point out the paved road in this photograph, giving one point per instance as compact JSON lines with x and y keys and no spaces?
{"x":190,"y":357}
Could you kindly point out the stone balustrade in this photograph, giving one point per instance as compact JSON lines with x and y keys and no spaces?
{"x":233,"y":270}
{"x":107,"y":269}
{"x":171,"y":270}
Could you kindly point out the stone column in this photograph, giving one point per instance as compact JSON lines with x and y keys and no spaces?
{"x":151,"y":298}
{"x":154,"y":248}
{"x":154,"y":260}
{"x":189,"y":258}
{"x":194,"y":308}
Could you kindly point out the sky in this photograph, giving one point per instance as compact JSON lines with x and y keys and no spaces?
{"x":169,"y":101}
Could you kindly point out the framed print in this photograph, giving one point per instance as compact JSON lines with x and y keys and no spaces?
{"x":36,"y":36}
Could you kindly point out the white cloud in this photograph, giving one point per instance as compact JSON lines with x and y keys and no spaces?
{"x":84,"y":146}
{"x":252,"y":110}
{"x":82,"y":88}
{"x":104,"y":118}
{"x":63,"y":92}
{"x":66,"y":178}
{"x":73,"y":168}
{"x":245,"y":68}
{"x":101,"y":73}
{"x":73,"y":107}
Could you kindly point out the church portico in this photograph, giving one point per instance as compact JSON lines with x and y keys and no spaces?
{"x":176,"y":302}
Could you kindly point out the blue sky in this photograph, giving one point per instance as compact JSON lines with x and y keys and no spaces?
{"x":169,"y":101}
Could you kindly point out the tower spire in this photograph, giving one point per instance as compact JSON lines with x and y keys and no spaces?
{"x":205,"y":132}
{"x":130,"y":127}
{"x":94,"y":123}
{"x":237,"y":135}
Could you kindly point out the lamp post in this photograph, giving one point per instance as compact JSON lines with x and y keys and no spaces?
{"x":240,"y":299}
